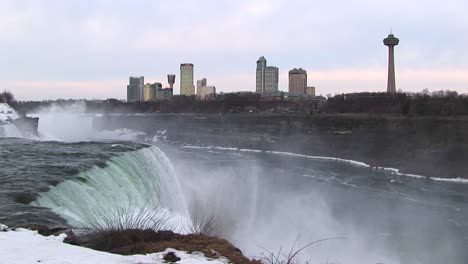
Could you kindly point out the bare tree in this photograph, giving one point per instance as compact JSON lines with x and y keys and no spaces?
{"x":6,"y":97}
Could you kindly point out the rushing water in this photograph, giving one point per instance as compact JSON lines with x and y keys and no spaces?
{"x":10,"y":131}
{"x":260,"y":200}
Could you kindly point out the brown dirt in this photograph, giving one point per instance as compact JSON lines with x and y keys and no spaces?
{"x":129,"y":242}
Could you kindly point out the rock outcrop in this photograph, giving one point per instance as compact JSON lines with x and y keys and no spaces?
{"x":22,"y":124}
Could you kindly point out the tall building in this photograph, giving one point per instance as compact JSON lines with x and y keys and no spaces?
{"x":135,"y":89}
{"x":207,"y":93}
{"x":171,"y":80}
{"x":163,"y":94}
{"x":391,"y":42}
{"x":297,"y":81}
{"x":261,"y":65}
{"x":186,"y":79}
{"x":271,"y":79}
{"x":267,"y":77}
{"x":201,"y":83}
{"x":310,"y":90}
{"x":150,"y":91}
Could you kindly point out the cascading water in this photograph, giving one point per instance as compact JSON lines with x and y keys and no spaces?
{"x":142,"y":179}
{"x":7,"y":115}
{"x":10,"y":131}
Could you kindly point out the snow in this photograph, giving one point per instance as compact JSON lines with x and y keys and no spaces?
{"x":7,"y":112}
{"x":26,"y":246}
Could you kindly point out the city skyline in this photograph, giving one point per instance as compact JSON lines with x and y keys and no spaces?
{"x":84,"y":49}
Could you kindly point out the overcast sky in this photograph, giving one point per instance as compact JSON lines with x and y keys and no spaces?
{"x":88,"y":49}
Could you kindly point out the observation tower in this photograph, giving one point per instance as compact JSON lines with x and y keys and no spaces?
{"x":391,"y":42}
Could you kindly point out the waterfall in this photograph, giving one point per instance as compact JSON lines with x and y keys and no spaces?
{"x":10,"y":130}
{"x":142,"y":179}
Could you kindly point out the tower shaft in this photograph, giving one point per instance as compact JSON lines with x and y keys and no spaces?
{"x":391,"y":85}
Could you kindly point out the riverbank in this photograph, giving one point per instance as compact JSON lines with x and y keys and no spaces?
{"x":135,"y":246}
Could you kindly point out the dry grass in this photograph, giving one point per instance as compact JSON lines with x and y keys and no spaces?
{"x":128,"y":218}
{"x":129,"y":230}
{"x":292,"y":256}
{"x":204,"y":225}
{"x":130,"y":242}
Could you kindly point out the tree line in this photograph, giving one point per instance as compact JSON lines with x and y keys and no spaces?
{"x":425,"y":103}
{"x":439,"y":103}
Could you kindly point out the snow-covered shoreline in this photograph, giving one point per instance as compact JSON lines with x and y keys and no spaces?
{"x":21,"y":246}
{"x":7,"y":113}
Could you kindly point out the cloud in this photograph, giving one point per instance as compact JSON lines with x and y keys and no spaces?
{"x":85,"y":41}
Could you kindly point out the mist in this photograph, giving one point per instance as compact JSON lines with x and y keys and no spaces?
{"x":72,"y":123}
{"x":264,"y":205}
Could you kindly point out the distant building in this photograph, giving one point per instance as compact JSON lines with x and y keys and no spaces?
{"x":267,"y":77}
{"x":171,"y":80}
{"x":186,"y":79}
{"x":207,"y":93}
{"x":310,"y":91}
{"x":261,"y":65}
{"x":201,"y":83}
{"x":164,"y":94}
{"x":135,"y":89}
{"x":271,"y":79}
{"x":150,"y":91}
{"x":297,"y":81}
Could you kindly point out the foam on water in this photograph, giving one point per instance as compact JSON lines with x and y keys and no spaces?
{"x":452,"y":180}
{"x":353,"y":162}
{"x":392,"y":171}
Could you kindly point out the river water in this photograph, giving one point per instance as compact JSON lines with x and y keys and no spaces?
{"x":261,"y":201}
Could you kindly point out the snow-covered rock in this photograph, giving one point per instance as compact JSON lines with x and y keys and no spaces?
{"x":3,"y":228}
{"x":26,"y":246}
{"x":7,"y":113}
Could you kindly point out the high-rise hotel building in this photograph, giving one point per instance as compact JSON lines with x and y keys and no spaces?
{"x":267,"y":77}
{"x":135,"y":89}
{"x":200,"y":84}
{"x":186,"y":79}
{"x":297,"y":81}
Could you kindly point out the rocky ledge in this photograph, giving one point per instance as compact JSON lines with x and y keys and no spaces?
{"x":143,"y":242}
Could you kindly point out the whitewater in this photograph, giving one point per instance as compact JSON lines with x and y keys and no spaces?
{"x":261,"y":200}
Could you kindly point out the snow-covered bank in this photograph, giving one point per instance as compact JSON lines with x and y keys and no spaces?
{"x":7,"y":113}
{"x":26,"y":246}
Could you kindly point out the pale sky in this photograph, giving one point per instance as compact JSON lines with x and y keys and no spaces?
{"x":87,"y":49}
